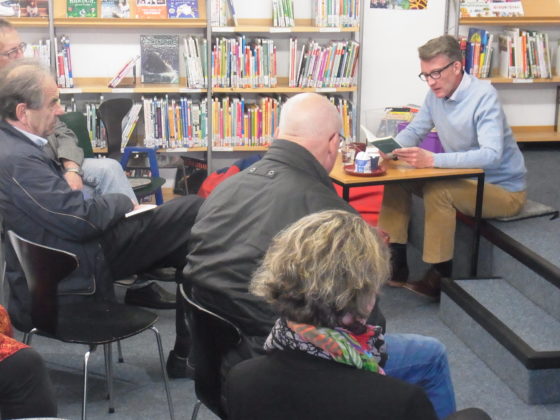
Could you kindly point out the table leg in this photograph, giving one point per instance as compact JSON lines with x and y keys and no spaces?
{"x":346,"y":193}
{"x":477,"y":221}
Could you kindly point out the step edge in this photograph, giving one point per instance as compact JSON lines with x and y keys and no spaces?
{"x":530,"y":358}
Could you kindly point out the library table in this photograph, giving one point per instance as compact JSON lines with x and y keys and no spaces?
{"x":398,"y":171}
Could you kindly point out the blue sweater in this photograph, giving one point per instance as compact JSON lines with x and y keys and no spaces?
{"x":473,"y":131}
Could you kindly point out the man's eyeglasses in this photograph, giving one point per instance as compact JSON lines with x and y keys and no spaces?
{"x":13,"y":53}
{"x":436,"y":74}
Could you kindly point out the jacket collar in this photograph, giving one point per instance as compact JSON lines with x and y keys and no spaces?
{"x":15,"y":132}
{"x":297,"y":157}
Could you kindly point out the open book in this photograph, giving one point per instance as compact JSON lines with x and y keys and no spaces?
{"x":385,"y":144}
{"x":141,"y":209}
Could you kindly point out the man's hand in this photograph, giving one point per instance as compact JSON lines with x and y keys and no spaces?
{"x":416,"y":157}
{"x":74,"y":180}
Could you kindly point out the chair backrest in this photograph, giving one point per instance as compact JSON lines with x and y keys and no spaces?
{"x":213,"y":336}
{"x":112,"y":112}
{"x":43,"y":267}
{"x":77,"y":122}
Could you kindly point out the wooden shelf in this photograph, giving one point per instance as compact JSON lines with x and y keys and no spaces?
{"x":508,"y":80}
{"x":536,"y":12}
{"x":239,"y":148}
{"x":282,"y":87}
{"x":104,"y":150}
{"x":535,"y":133}
{"x":29,"y":22}
{"x":99,"y":85}
{"x":130,"y":23}
{"x":265,"y":25}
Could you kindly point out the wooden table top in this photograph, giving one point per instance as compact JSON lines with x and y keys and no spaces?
{"x":397,"y":171}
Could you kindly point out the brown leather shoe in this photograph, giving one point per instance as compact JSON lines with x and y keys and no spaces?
{"x":429,"y":286}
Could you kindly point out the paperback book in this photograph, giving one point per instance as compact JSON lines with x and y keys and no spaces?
{"x":116,"y":9}
{"x":10,"y":8}
{"x":81,"y":8}
{"x":34,"y":8}
{"x":151,"y":9}
{"x":159,"y":58}
{"x":182,"y":9}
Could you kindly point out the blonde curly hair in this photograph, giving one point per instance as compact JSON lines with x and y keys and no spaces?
{"x":322,"y":267}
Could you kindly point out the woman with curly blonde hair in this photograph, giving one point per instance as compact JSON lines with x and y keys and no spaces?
{"x":322,"y":276}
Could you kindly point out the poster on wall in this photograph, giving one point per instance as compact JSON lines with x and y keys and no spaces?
{"x":399,"y":4}
{"x":491,"y":8}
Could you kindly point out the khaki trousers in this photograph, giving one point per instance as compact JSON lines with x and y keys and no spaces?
{"x":441,"y":200}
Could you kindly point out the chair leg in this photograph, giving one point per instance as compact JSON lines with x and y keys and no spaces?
{"x":164,"y":373}
{"x":119,"y":348}
{"x":195,"y":410}
{"x":84,"y":399}
{"x":28,"y":336}
{"x":107,"y":349}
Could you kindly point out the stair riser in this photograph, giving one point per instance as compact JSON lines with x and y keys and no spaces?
{"x":540,"y":386}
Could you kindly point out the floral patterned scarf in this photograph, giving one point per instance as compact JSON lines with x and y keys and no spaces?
{"x":364,"y":351}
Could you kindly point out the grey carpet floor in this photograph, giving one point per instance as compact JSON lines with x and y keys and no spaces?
{"x":139,"y":391}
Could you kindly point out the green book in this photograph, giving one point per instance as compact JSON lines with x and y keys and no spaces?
{"x":81,"y":8}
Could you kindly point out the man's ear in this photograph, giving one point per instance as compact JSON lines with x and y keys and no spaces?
{"x":21,"y":113}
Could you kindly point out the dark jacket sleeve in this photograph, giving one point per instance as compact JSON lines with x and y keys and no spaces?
{"x":46,"y":197}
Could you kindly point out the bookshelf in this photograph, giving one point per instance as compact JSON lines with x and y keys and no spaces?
{"x":541,"y":15}
{"x":100,"y":46}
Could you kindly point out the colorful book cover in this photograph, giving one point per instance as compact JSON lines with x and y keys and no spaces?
{"x":34,"y":8}
{"x":182,"y":9}
{"x":81,"y":8}
{"x":151,"y":9}
{"x":116,"y":9}
{"x":159,"y":58}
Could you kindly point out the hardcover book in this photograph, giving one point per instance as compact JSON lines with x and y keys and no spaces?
{"x":159,"y":58}
{"x":81,"y":8}
{"x":34,"y":8}
{"x":116,"y":9}
{"x":182,"y":9}
{"x":10,"y":8}
{"x":151,"y":9}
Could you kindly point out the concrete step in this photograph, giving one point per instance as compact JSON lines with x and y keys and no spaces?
{"x":517,"y":339}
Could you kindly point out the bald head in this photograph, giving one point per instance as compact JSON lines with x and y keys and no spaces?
{"x":313,"y":122}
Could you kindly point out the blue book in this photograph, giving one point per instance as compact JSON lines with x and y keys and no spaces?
{"x":182,"y":9}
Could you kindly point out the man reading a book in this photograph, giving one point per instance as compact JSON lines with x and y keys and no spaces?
{"x":474,"y":133}
{"x":37,"y":203}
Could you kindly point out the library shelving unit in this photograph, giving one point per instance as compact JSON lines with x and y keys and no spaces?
{"x":538,"y":15}
{"x":303,"y":29}
{"x":94,"y":34}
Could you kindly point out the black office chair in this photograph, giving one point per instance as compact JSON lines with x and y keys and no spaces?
{"x":111,"y":112}
{"x":212,"y":336}
{"x":90,"y":322}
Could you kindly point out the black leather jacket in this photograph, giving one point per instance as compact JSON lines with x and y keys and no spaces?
{"x":37,"y":203}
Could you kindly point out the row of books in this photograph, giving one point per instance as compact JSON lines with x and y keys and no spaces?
{"x":236,"y":123}
{"x":283,"y":13}
{"x":332,"y":13}
{"x":133,"y":9}
{"x":175,"y":123}
{"x":63,"y":63}
{"x":477,"y":50}
{"x":524,"y":54}
{"x":95,"y":127}
{"x":239,"y":64}
{"x":40,"y":51}
{"x":222,"y":12}
{"x":333,"y":65}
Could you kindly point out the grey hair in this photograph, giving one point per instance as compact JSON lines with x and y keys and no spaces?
{"x":322,"y":267}
{"x":445,"y":44}
{"x":21,"y":81}
{"x":6,"y":25}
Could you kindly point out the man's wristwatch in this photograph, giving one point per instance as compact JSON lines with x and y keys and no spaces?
{"x":78,"y":170}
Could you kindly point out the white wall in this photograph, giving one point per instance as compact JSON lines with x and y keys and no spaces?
{"x":390,"y":59}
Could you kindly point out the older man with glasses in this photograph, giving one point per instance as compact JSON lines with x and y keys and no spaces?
{"x":474,"y":133}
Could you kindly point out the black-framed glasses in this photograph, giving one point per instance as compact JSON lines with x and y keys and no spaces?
{"x":435,"y":74}
{"x":13,"y":53}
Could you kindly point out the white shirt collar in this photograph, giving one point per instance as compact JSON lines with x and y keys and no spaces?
{"x":38,"y":140}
